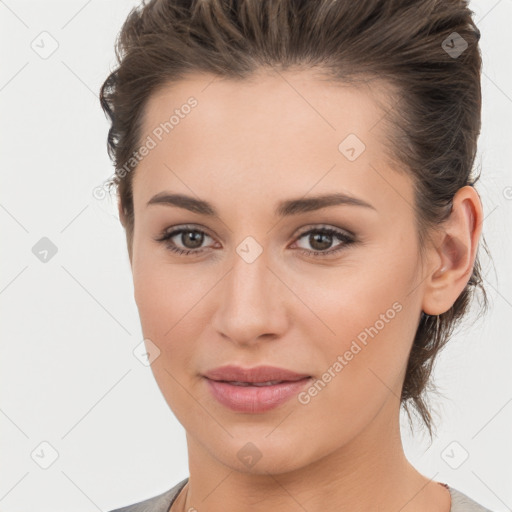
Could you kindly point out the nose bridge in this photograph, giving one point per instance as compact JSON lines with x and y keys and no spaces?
{"x":252,"y":304}
{"x":249,"y":275}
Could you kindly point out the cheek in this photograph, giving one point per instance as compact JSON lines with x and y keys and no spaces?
{"x":371,"y":316}
{"x":361,"y":367}
{"x":170,"y":315}
{"x":162,"y":291}
{"x":169,"y":306}
{"x":171,"y":303}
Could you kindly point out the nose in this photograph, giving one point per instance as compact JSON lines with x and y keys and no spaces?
{"x":252,"y":302}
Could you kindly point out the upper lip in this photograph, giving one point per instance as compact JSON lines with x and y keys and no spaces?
{"x":232,"y":373}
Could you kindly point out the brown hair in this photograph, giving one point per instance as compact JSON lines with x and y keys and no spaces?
{"x":425,"y":50}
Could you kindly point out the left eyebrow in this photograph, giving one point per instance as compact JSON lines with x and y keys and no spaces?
{"x":283,"y":209}
{"x":302,"y":205}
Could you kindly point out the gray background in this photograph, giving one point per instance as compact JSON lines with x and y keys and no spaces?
{"x":69,"y":325}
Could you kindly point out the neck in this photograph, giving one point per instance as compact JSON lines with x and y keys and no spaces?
{"x":369,"y":470}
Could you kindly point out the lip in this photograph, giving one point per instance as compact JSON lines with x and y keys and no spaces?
{"x":254,"y":399}
{"x":258,"y":374}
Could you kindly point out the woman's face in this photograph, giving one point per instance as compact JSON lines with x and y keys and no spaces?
{"x":248,"y":293}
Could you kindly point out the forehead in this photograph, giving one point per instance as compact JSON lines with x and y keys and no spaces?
{"x":289,"y":130}
{"x":267,"y":103}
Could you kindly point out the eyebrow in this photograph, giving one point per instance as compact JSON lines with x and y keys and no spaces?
{"x":283,"y":209}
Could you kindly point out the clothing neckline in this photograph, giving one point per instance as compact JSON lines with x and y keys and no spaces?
{"x":185,"y":482}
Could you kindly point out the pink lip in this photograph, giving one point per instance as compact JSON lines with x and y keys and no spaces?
{"x":254,"y":399}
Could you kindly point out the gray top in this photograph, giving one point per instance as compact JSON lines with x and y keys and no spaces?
{"x":162,"y":502}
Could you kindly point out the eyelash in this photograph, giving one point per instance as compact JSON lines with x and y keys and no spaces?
{"x":345,"y":238}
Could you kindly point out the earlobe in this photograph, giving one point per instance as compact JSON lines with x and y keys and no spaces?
{"x":454,"y":256}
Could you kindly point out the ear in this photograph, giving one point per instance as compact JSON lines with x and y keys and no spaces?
{"x":453,"y":254}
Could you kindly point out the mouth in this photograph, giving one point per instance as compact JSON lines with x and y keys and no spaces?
{"x":264,"y":375}
{"x":255,"y":397}
{"x":259,"y":384}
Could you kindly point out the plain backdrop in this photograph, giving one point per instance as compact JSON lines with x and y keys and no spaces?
{"x":83,"y":425}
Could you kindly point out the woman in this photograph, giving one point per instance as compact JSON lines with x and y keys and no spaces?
{"x":295,"y":182}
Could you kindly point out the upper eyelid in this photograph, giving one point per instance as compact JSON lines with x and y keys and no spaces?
{"x":178,"y":229}
{"x":319,"y":227}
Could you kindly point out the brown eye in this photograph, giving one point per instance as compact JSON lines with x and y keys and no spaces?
{"x":191,"y":239}
{"x":321,"y":239}
{"x":194,"y":238}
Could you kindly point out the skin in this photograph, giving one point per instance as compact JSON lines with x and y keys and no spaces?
{"x":245,"y":147}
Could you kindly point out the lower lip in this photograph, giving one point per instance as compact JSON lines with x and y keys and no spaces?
{"x":255,"y":399}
